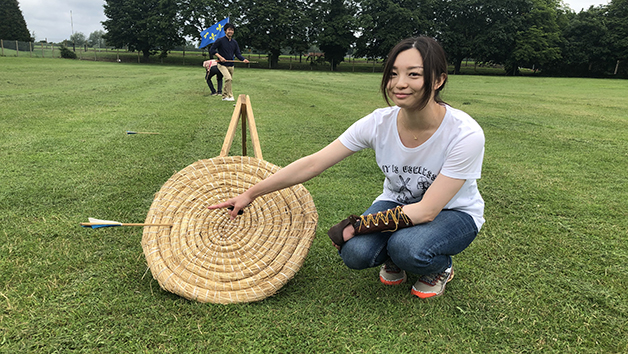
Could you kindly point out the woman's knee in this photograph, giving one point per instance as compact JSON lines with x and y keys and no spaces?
{"x":362,"y":253}
{"x":356,"y":262}
{"x":407,"y":255}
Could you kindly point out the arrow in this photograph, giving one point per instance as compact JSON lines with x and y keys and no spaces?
{"x":130,"y":132}
{"x":96,"y":223}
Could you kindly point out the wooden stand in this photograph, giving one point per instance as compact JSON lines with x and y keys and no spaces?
{"x":242,"y":109}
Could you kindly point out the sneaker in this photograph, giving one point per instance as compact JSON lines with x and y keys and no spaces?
{"x":215,"y":94}
{"x":228,"y":99}
{"x":432,"y":285}
{"x":390,"y":274}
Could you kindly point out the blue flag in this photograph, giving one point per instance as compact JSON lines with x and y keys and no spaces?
{"x":214,"y":32}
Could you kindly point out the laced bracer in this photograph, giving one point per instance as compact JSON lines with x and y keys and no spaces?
{"x":389,"y":220}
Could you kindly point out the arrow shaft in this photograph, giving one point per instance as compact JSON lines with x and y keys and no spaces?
{"x":129,"y":132}
{"x":123,"y":224}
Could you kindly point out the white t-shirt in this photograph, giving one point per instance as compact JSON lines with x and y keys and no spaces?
{"x":456,"y":150}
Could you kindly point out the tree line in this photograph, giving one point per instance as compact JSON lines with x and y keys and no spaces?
{"x":542,"y":35}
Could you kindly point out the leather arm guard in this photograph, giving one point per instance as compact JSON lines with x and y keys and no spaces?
{"x":389,"y":220}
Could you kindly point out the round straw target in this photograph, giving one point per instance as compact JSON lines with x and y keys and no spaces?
{"x":208,"y":257}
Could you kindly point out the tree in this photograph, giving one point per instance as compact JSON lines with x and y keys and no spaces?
{"x":336,"y":35}
{"x":383,"y":23}
{"x":148,"y":26}
{"x":96,"y":39}
{"x":618,"y":30}
{"x":539,"y":44}
{"x":199,"y":15}
{"x":272,"y":25}
{"x":505,"y":19}
{"x":12,"y":24}
{"x":587,"y":47}
{"x":460,"y":23}
{"x":301,"y":40}
{"x":78,"y":39}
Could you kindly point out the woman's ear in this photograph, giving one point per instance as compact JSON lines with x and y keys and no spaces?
{"x":439,"y":81}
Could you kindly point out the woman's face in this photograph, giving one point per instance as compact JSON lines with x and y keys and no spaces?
{"x":405,"y":87}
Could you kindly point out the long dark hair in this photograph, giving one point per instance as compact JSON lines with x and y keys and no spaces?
{"x":434,"y":66}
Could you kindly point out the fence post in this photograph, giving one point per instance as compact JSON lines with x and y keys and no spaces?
{"x":30,"y":46}
{"x":2,"y":45}
{"x":616,"y":67}
{"x":17,"y":49}
{"x":42,"y":49}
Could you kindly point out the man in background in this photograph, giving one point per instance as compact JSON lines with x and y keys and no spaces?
{"x":226,"y":48}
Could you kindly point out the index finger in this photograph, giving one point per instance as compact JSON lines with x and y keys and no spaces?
{"x":220,"y":205}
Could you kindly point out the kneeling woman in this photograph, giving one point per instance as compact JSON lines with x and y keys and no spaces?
{"x":431,"y":155}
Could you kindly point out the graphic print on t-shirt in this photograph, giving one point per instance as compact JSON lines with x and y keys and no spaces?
{"x":411,"y":182}
{"x":405,"y":194}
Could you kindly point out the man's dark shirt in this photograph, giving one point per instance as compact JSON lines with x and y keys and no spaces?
{"x":227,"y":49}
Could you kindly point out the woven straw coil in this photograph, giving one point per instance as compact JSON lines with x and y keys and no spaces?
{"x":208,"y":257}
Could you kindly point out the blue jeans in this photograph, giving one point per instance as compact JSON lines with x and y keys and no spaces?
{"x":421,"y":249}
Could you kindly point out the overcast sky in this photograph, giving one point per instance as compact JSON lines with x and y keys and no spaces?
{"x":51,"y":19}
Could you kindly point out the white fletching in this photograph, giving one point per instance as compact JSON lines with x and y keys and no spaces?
{"x":103,"y":222}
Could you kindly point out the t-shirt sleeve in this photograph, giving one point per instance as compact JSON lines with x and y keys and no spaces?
{"x":359,"y":135}
{"x":464,"y":159}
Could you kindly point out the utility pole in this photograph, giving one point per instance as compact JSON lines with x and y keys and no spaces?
{"x":72,"y":24}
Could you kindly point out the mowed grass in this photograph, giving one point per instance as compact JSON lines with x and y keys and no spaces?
{"x":548,"y":272}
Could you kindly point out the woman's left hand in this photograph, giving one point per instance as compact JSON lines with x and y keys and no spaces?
{"x":347,"y":234}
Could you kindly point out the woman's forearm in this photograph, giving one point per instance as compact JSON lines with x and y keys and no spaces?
{"x":297,"y":172}
{"x":302,"y":170}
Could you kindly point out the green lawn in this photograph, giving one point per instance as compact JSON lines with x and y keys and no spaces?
{"x":548,"y":272}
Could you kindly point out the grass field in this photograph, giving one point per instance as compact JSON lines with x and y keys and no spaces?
{"x":547,"y":273}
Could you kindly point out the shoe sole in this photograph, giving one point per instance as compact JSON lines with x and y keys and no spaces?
{"x":388,"y":282}
{"x":429,"y":295}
